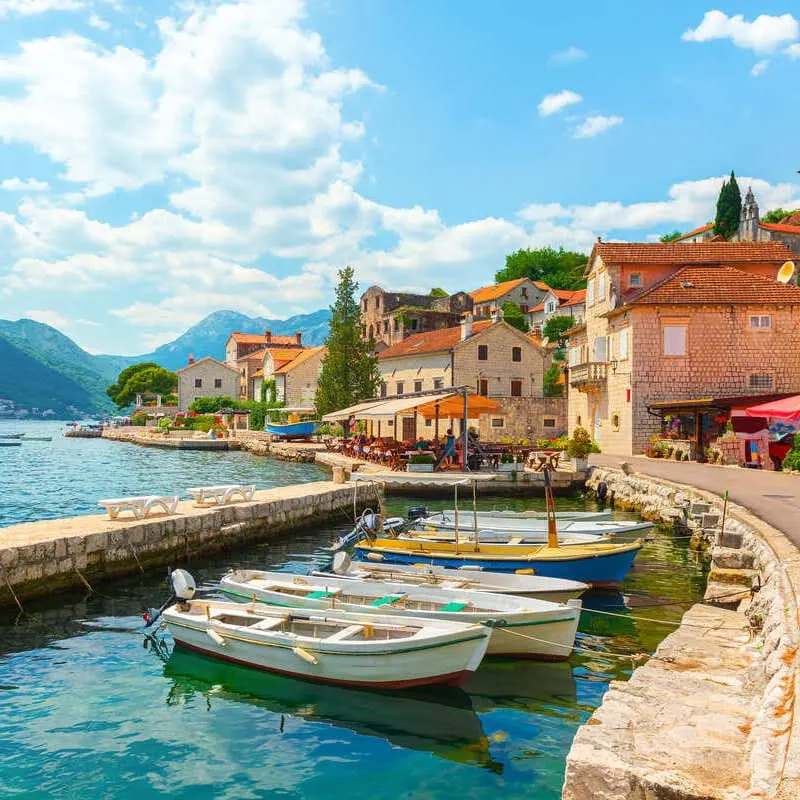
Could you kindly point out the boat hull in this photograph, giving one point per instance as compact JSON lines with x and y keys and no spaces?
{"x":292,"y":430}
{"x":531,"y":527}
{"x":598,"y":569}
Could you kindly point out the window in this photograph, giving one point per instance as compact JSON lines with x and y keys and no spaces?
{"x":623,"y":343}
{"x":396,"y":324}
{"x":615,"y":421}
{"x":217,"y":383}
{"x":523,"y":307}
{"x":498,"y":422}
{"x":516,"y":388}
{"x":383,"y":389}
{"x":674,"y":340}
{"x":483,"y":352}
{"x":573,"y":356}
{"x":590,"y":292}
{"x":400,"y":387}
{"x":550,"y":307}
{"x":516,"y":354}
{"x":377,"y":302}
{"x":417,"y":386}
{"x":549,"y":422}
{"x":761,"y":381}
{"x":198,"y":383}
{"x":578,"y":421}
{"x":761,"y":322}
{"x":386,"y":326}
{"x":524,"y":291}
{"x":601,"y":287}
{"x":438,"y":383}
{"x":600,"y":348}
{"x":635,"y":280}
{"x":365,"y":305}
{"x":483,"y":387}
{"x":428,"y":423}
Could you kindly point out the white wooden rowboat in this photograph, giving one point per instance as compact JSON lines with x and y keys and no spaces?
{"x":521,"y":627}
{"x":507,"y":514}
{"x":330,"y":646}
{"x":556,"y":590}
{"x":531,"y":528}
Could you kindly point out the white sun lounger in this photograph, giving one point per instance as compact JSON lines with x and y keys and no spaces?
{"x":140,"y":506}
{"x":221,"y":495}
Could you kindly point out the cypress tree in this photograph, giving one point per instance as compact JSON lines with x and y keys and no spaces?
{"x":729,"y":209}
{"x":349,"y":370}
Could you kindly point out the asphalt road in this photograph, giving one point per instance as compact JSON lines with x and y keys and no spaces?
{"x":771,"y":496}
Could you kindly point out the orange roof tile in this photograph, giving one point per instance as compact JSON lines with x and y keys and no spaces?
{"x":498,"y":290}
{"x":254,"y":356}
{"x":259,"y":373}
{"x":544,"y":287}
{"x":702,"y":229}
{"x":540,"y":307}
{"x":578,"y":297}
{"x":692,"y":252}
{"x":431,"y":341}
{"x":781,"y":227}
{"x":284,"y":354}
{"x":717,"y":286}
{"x":260,"y":338}
{"x":302,"y":357}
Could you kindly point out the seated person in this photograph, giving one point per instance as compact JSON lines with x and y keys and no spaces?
{"x":421,"y":444}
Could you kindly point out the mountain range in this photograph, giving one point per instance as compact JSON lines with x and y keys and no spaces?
{"x":44,"y":373}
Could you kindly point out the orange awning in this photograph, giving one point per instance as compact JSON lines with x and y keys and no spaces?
{"x":453,"y":407}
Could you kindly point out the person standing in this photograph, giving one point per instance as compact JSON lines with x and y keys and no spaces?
{"x":449,"y":448}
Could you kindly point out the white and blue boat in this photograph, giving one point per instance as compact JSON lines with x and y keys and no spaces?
{"x":293,"y":430}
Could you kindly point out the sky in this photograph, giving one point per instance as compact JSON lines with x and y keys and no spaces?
{"x":161,"y":160}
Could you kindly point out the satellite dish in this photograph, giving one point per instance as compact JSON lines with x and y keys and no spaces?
{"x":786,"y":272}
{"x":341,"y":563}
{"x":545,"y":341}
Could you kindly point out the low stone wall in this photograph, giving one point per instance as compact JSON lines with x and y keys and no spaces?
{"x":39,"y":558}
{"x":712,"y":714}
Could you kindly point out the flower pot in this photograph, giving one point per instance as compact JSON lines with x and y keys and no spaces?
{"x":509,"y":467}
{"x":419,"y":467}
{"x":581,"y":462}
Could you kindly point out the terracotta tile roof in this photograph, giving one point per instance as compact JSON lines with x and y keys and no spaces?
{"x":256,"y":355}
{"x":781,"y":227}
{"x":283,"y":354}
{"x":301,"y":358}
{"x":260,"y":338}
{"x":259,"y":373}
{"x":498,"y":290}
{"x":692,"y":252}
{"x":431,"y":341}
{"x":540,"y":307}
{"x":577,"y":298}
{"x":207,"y":358}
{"x":717,"y":286}
{"x":544,"y":287}
{"x":702,"y":229}
{"x":792,"y":219}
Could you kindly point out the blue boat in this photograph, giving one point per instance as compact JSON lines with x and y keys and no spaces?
{"x":293,"y":430}
{"x":600,"y":565}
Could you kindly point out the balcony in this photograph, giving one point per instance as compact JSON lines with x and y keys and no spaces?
{"x":585,"y":377}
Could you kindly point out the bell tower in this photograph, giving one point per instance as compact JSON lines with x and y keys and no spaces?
{"x":748,"y":223}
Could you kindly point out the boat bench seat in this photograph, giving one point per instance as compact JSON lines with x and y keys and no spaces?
{"x":321,"y":594}
{"x":345,"y":633}
{"x":268,"y":624}
{"x":455,"y":605}
{"x":139,"y":506}
{"x":387,"y":600}
{"x":221,"y":495}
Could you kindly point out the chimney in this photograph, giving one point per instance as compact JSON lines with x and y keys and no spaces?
{"x":191,"y":358}
{"x":498,"y":315}
{"x":268,"y":336}
{"x":299,"y":338}
{"x":466,"y":326}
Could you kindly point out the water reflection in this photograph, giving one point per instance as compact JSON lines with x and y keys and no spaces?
{"x":439,"y":721}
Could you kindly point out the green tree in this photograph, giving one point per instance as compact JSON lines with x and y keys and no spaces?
{"x":552,"y":386}
{"x":777,"y":215}
{"x":555,"y":327}
{"x":144,"y":378}
{"x":349,"y":370}
{"x":729,"y":209}
{"x":437,"y":291}
{"x":670,"y":237}
{"x":512,"y":314}
{"x":562,"y":269}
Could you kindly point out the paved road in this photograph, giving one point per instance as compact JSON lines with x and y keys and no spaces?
{"x":771,"y":496}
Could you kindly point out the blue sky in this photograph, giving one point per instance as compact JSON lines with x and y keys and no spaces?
{"x":162,"y":160}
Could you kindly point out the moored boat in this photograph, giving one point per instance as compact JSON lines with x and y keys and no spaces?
{"x":503,"y":515}
{"x":432,"y":534}
{"x":521,"y":627}
{"x":11,"y":435}
{"x":293,"y":430}
{"x":336,"y":647}
{"x":10,"y":442}
{"x":446,"y":521}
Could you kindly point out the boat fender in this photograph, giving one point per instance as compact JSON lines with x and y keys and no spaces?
{"x":305,"y":655}
{"x":375,"y":556}
{"x":183,"y":585}
{"x":602,"y":491}
{"x":215,"y":637}
{"x":495,"y":623}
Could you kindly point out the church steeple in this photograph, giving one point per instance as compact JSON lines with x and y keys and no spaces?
{"x":749,"y":221}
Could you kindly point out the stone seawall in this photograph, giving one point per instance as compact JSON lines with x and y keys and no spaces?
{"x":712,"y":714}
{"x":40,"y":558}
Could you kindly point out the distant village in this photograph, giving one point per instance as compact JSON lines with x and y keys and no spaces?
{"x":662,"y":350}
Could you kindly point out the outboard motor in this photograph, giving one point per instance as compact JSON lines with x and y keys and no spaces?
{"x":417,"y":512}
{"x":602,"y":491}
{"x":182,"y":588}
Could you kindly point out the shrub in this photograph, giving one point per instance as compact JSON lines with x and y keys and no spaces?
{"x":792,"y":460}
{"x":581,"y":444}
{"x":507,"y":458}
{"x":203,"y":422}
{"x":560,"y":442}
{"x":327,"y":429}
{"x":421,"y":458}
{"x":139,"y":419}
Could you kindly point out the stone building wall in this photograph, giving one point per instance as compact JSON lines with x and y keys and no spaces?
{"x":526,"y":418}
{"x":300,"y":383}
{"x":208,"y":371}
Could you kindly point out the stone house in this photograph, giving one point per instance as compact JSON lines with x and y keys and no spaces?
{"x":751,"y":229}
{"x":205,"y":378}
{"x":271,"y":359}
{"x":523,"y":292}
{"x":558,"y":303}
{"x":296,"y":380}
{"x":388,"y":317}
{"x":491,"y":356}
{"x":246,"y":352}
{"x":676,"y":322}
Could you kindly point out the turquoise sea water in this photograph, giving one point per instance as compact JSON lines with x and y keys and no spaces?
{"x":86,"y":710}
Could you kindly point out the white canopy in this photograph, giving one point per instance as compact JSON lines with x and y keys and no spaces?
{"x":387,"y":408}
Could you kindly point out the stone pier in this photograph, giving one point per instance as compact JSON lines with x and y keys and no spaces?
{"x":39,"y":558}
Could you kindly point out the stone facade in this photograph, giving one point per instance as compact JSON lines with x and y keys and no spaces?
{"x":526,"y":418}
{"x":559,"y":303}
{"x":296,"y":382}
{"x":206,"y":378}
{"x":523,"y":292}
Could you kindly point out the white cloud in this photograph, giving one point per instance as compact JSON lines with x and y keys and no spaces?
{"x":764,"y":34}
{"x":31,"y":7}
{"x":27,"y":185}
{"x":553,"y":103}
{"x":52,"y":318}
{"x":569,"y":56}
{"x":99,"y":23}
{"x":759,"y":67}
{"x":595,"y":125}
{"x":793,"y":51}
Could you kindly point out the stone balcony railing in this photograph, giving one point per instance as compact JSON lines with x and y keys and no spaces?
{"x":591,"y":373}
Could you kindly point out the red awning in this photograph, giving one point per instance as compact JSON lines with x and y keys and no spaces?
{"x":788,"y":408}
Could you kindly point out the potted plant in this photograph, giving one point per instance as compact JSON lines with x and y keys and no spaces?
{"x":579,"y":447}
{"x":420,"y":462}
{"x":508,"y":463}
